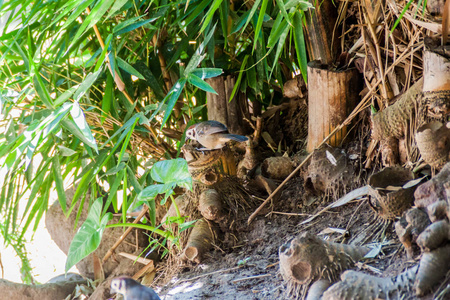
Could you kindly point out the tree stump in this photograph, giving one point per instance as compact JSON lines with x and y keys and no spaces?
{"x":436,"y":81}
{"x":220,"y":108}
{"x":321,"y":40}
{"x":216,"y":195}
{"x":331,"y":97}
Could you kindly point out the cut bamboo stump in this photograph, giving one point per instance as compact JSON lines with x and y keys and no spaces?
{"x":220,"y":108}
{"x":209,"y":167}
{"x":436,"y":84}
{"x":332,"y":95}
{"x":321,"y":39}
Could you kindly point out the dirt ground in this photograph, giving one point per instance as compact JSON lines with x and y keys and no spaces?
{"x":250,"y":270}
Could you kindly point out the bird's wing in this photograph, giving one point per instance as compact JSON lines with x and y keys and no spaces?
{"x":141,"y":293}
{"x":210,"y":127}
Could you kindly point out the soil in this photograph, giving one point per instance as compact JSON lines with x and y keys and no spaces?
{"x":249,"y":270}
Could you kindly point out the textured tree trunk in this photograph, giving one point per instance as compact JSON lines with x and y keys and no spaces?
{"x":321,"y":37}
{"x":220,"y":108}
{"x":331,"y":97}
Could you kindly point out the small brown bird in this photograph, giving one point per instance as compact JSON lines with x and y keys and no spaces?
{"x":212,"y":135}
{"x":132,"y":290}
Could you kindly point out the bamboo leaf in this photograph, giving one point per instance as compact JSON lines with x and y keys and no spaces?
{"x":96,"y":14}
{"x":210,"y":14}
{"x":250,"y":15}
{"x":205,"y":73}
{"x":238,"y":81}
{"x":127,"y":67}
{"x":85,"y":85}
{"x":172,"y":100}
{"x":300,"y":47}
{"x":201,"y":84}
{"x":80,"y":121}
{"x":262,"y":13}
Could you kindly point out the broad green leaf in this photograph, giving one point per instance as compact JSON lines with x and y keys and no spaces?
{"x":281,"y":42}
{"x":89,"y":236}
{"x":193,"y":63}
{"x":150,"y":192}
{"x":277,"y":30}
{"x":201,"y":84}
{"x":172,"y":171}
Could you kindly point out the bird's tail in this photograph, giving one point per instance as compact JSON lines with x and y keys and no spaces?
{"x":236,"y":137}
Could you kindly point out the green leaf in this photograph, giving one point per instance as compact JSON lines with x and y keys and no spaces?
{"x":204,"y":73}
{"x":238,"y":81}
{"x":107,"y":98}
{"x":85,"y":85}
{"x":262,"y":13}
{"x":80,"y":121}
{"x":401,"y":15}
{"x":300,"y":47}
{"x":174,"y":171}
{"x":210,"y":14}
{"x":127,"y":67}
{"x":117,"y":5}
{"x":96,"y":14}
{"x":201,"y":84}
{"x":283,"y":10}
{"x":174,"y":93}
{"x":89,"y":236}
{"x":42,"y":91}
{"x":120,"y":29}
{"x":59,"y":184}
{"x":127,"y":140}
{"x":250,"y":16}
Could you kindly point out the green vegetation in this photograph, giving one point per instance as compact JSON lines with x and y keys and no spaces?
{"x":93,"y":93}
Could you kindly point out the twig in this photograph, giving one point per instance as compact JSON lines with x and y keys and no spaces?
{"x":288,"y":214}
{"x":251,"y":277}
{"x":124,"y":235}
{"x":211,"y":273}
